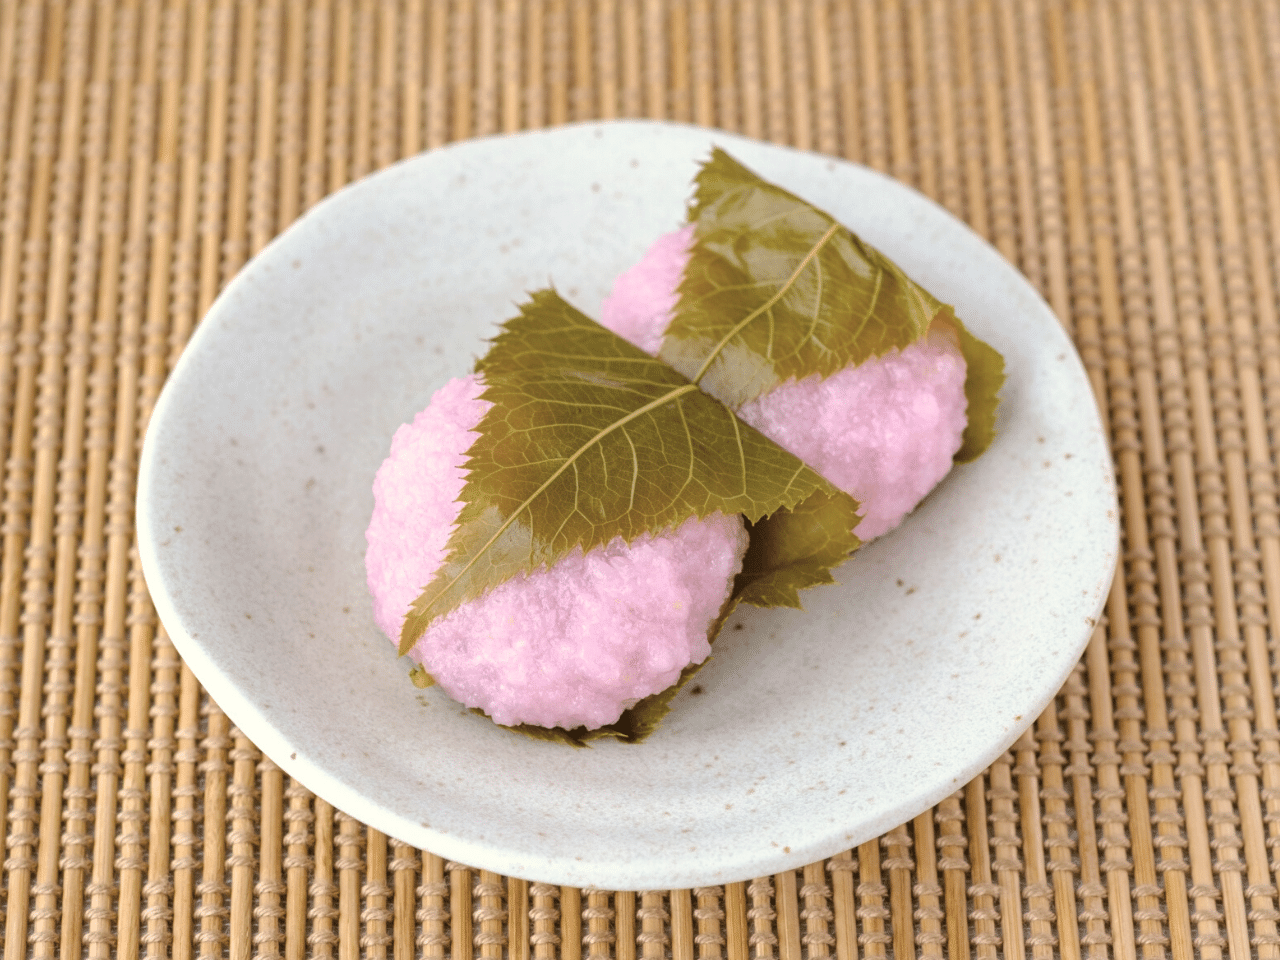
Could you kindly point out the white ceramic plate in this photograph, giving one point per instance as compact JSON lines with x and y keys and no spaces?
{"x":816,"y":730}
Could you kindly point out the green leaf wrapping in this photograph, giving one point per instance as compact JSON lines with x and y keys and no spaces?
{"x":778,"y":290}
{"x":588,"y":439}
{"x":795,"y":549}
{"x":984,"y":376}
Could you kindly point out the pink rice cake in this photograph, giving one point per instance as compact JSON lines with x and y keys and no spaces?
{"x":884,"y":432}
{"x":569,"y":646}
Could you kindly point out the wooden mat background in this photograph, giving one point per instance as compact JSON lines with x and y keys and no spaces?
{"x":1123,"y":153}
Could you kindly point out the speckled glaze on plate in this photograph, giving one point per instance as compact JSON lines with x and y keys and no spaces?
{"x":815,"y":730}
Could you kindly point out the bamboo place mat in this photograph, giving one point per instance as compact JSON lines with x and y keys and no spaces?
{"x":1122,"y":153}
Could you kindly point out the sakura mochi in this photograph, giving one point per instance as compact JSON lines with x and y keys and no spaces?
{"x":570,"y":646}
{"x":884,"y":431}
{"x":576,"y":644}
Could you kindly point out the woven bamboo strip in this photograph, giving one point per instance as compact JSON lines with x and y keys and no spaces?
{"x":213,"y":889}
{"x":375,"y":893}
{"x":1006,"y":844}
{"x":462,"y":52}
{"x":982,"y":892}
{"x":726,"y":66}
{"x":315,"y":165}
{"x":323,"y":889}
{"x":485,"y":93}
{"x":624,"y":914}
{"x":892,"y":42}
{"x":570,"y":923}
{"x":348,"y":842}
{"x":241,"y":839}
{"x":816,"y":916}
{"x":710,"y":915}
{"x":518,"y":920}
{"x":361,"y":53}
{"x":775,"y":105}
{"x":920,"y":108}
{"x":432,"y":913}
{"x":678,"y":67}
{"x":1058,"y":840}
{"x":460,"y":929}
{"x":1135,"y":406}
{"x":927,"y":892}
{"x":630,"y":97}
{"x":151,"y":656}
{"x":1026,"y":225}
{"x":489,"y":913}
{"x":747,"y":64}
{"x":411,"y":81}
{"x":144,"y":345}
{"x":534,"y":101}
{"x":338,"y":95}
{"x":654,"y":60}
{"x":109,"y":914}
{"x":544,"y":915}
{"x":21,"y":290}
{"x":270,"y":885}
{"x":1250,"y":706}
{"x":1177,"y":401}
{"x":9,"y":17}
{"x":235,"y":249}
{"x":787,"y":911}
{"x":844,"y":918}
{"x":897,"y":860}
{"x":1157,"y":439}
{"x":599,"y":917}
{"x":185,"y":812}
{"x":823,"y":83}
{"x":557,"y":64}
{"x":404,"y":871}
{"x":870,"y":90}
{"x":1218,"y":463}
{"x":873,"y":913}
{"x":298,"y":864}
{"x":583,"y":84}
{"x":941,"y":95}
{"x":1265,"y":236}
{"x":764,"y":936}
{"x":436,"y":74}
{"x":1037,"y":892}
{"x":702,"y":59}
{"x":62,"y":526}
{"x":1021,"y":154}
{"x":291,"y":106}
{"x":389,"y":132}
{"x":1135,"y":168}
{"x":653,"y":931}
{"x":182,"y":317}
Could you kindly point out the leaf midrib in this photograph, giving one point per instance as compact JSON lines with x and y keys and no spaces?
{"x":768,"y":304}
{"x":618,"y":424}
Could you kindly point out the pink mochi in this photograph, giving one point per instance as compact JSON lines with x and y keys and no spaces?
{"x":573,"y":645}
{"x":884,"y":432}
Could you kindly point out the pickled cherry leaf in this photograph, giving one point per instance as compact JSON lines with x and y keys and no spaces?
{"x":589,"y":438}
{"x":984,"y":376}
{"x":776,"y":290}
{"x":795,"y":549}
